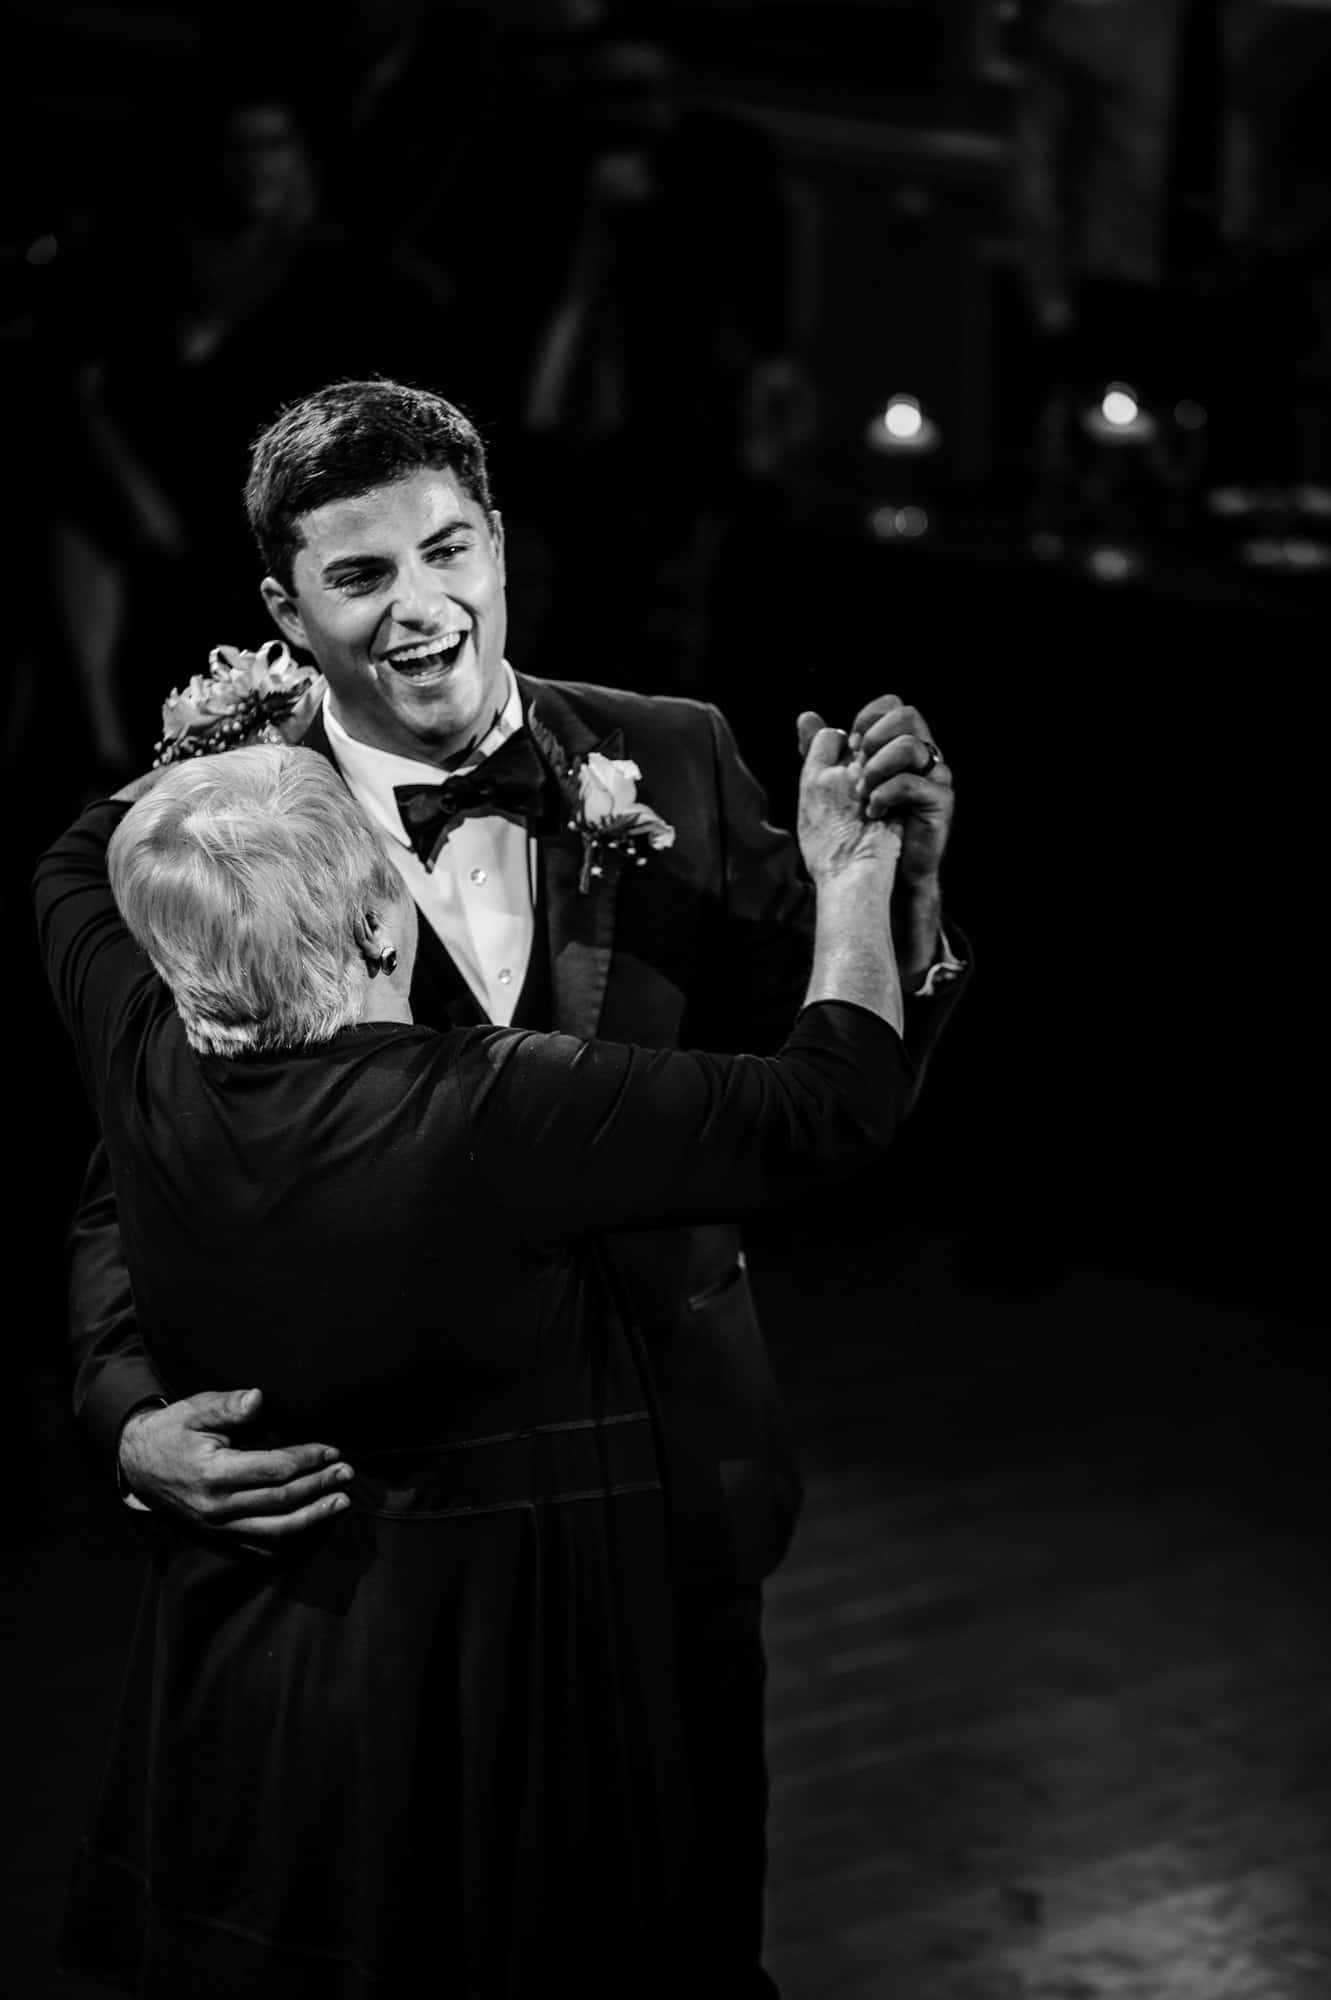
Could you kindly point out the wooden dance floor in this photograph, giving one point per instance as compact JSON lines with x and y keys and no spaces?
{"x":1050,"y":1700}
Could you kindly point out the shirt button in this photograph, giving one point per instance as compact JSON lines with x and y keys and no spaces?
{"x":478,"y":876}
{"x":505,"y":976}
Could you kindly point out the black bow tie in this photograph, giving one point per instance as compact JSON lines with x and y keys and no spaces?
{"x":511,"y":782}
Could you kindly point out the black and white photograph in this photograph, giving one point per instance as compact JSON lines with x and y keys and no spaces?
{"x":664,"y":762}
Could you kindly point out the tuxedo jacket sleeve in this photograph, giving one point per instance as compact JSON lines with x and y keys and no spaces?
{"x":707,"y":946}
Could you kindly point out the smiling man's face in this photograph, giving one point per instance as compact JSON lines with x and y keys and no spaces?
{"x":399,"y":594}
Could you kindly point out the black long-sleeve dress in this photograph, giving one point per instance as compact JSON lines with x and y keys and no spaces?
{"x":435,"y":1747}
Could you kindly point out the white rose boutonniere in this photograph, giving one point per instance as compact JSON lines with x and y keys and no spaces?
{"x":241,"y":699}
{"x":600,"y":796}
{"x":603,"y":795}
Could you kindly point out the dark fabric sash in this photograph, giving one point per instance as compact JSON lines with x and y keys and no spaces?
{"x":553,"y":1463}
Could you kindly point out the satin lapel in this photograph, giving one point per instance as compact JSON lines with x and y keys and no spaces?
{"x":580,"y":927}
{"x":581,"y":932}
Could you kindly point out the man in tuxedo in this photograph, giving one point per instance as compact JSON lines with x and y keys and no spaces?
{"x":385,"y":560}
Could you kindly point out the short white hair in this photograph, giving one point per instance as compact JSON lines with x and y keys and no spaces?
{"x":246,"y":878}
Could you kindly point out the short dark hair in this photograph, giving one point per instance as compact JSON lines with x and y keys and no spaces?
{"x":344,"y":440}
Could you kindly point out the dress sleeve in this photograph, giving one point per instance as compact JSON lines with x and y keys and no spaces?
{"x":580,"y":1136}
{"x":112,"y":1376}
{"x":96,"y":971}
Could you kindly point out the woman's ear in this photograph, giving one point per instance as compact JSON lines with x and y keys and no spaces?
{"x":378,"y":951}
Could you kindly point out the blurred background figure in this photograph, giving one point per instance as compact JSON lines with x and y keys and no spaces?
{"x":1132,"y":186}
{"x":422,"y":87}
{"x":229,"y":287}
{"x":641,"y":384}
{"x":48,"y":465}
{"x":1170,"y":170}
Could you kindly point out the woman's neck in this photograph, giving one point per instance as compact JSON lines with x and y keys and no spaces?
{"x":382,"y":1003}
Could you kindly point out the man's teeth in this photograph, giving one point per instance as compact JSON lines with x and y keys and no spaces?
{"x":432,"y":649}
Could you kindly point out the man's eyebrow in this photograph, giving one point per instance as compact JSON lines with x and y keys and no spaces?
{"x":367,"y":560}
{"x":370,"y":557}
{"x":460,"y":525}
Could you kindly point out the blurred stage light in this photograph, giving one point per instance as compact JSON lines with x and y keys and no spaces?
{"x":899,"y":524}
{"x":1233,"y":502}
{"x":903,"y":428}
{"x":1189,"y":415}
{"x":1119,"y":418}
{"x":44,"y":250}
{"x":1284,"y":528}
{"x":902,"y":418}
{"x":1292,"y":553}
{"x":1109,"y":563}
{"x":1276,"y":504}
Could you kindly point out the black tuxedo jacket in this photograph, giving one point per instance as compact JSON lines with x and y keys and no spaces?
{"x":707,"y":945}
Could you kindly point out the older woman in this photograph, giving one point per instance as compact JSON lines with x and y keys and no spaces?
{"x":436,"y":1747}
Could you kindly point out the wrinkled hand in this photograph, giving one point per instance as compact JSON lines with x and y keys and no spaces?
{"x":893,"y":742}
{"x":834,"y":834}
{"x":181,"y":1458}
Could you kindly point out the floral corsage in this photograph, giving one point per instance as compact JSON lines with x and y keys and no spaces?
{"x":600,"y":795}
{"x":241,"y":699}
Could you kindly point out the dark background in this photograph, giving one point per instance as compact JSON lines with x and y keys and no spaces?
{"x":1138,"y":764}
{"x":1130,"y":1104}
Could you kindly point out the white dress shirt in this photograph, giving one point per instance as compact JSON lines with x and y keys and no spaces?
{"x":480,"y":895}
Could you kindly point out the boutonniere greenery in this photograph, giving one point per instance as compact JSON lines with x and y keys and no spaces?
{"x":600,"y":795}
{"x":241,"y":699}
